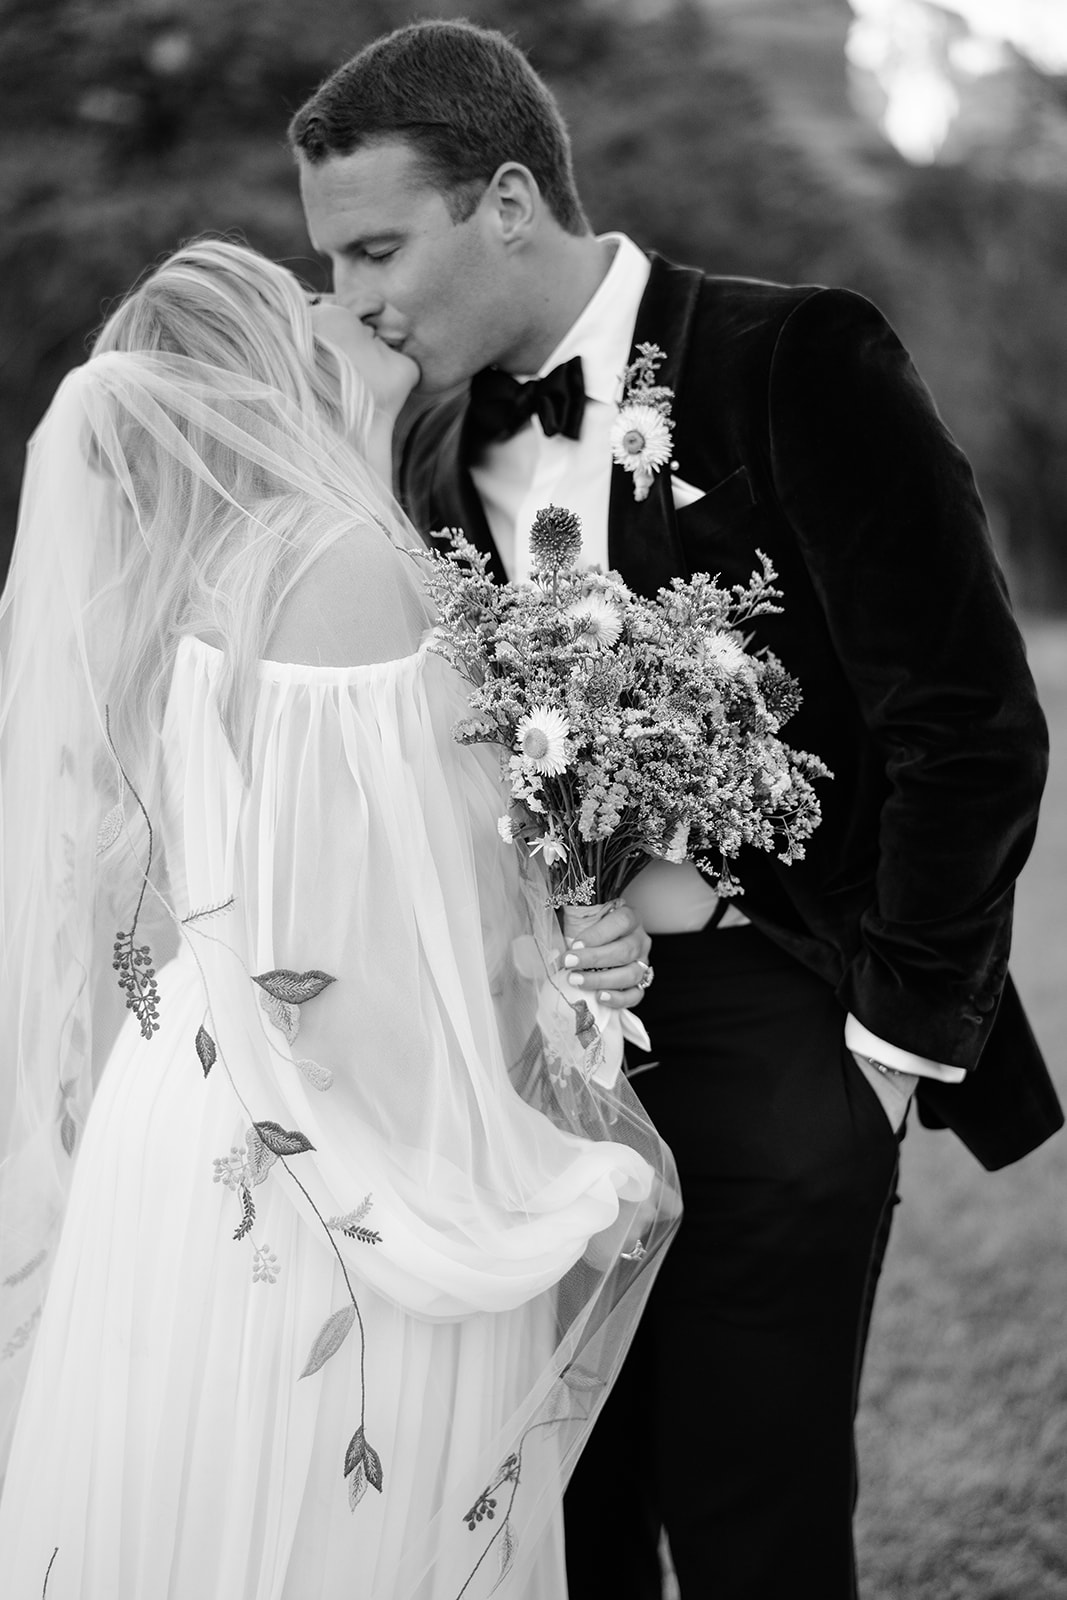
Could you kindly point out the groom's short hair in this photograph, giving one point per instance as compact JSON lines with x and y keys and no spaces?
{"x":464,"y":97}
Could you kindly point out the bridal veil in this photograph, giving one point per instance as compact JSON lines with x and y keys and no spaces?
{"x":261,"y":912}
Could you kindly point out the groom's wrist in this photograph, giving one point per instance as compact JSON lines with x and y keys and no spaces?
{"x":900,"y":1079}
{"x":862,"y":1042}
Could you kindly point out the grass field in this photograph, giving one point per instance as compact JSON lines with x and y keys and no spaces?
{"x":963,"y":1428}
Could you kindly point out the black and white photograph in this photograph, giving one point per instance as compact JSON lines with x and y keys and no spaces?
{"x":533,"y":807}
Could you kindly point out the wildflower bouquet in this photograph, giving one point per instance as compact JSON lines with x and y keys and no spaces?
{"x":629,"y":728}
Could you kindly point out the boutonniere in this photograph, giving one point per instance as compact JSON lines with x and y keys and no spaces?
{"x":641,"y":436}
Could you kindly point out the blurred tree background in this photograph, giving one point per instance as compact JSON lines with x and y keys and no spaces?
{"x":719,"y":131}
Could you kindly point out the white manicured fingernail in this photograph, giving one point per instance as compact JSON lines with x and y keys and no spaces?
{"x":576,"y":980}
{"x":570,"y":961}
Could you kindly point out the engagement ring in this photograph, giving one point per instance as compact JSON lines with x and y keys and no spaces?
{"x":644,"y":983}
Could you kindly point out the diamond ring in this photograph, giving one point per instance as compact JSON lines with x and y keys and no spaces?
{"x":649,"y":973}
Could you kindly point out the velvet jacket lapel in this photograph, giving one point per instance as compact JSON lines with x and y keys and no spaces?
{"x":643,"y":537}
{"x":451,"y":489}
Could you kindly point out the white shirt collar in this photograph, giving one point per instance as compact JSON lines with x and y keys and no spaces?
{"x":603,"y":334}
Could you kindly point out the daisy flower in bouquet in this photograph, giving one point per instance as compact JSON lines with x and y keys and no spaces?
{"x":628,"y":728}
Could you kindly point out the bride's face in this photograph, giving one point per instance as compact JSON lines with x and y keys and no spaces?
{"x":389,"y":375}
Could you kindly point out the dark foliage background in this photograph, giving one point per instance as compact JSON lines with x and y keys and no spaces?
{"x":720,"y":133}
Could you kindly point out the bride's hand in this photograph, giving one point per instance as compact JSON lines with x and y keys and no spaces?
{"x":610,"y":959}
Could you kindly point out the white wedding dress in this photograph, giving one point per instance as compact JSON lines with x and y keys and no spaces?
{"x":427,"y":1217}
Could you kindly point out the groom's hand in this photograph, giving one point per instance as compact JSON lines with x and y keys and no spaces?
{"x":894,"y":1089}
{"x":610,"y":959}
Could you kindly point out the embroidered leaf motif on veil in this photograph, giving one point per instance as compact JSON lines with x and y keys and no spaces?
{"x":585,"y":1027}
{"x":285,"y":1016}
{"x":282,"y":1141}
{"x":27,"y":1270}
{"x":203,"y":913}
{"x":581,"y":1380}
{"x":205,"y":1049}
{"x":352,"y":1219}
{"x":362,"y":1459}
{"x":248,"y":1217}
{"x":68,"y":1128}
{"x":320,"y":1078}
{"x":260,"y":1158}
{"x":282,"y":993}
{"x":350,"y":1224}
{"x":110,"y":828}
{"x":329,"y":1339}
{"x":357,"y":1485}
{"x":507,"y":1555}
{"x":293,"y":988}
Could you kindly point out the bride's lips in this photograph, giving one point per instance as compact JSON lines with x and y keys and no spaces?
{"x":398,"y":347}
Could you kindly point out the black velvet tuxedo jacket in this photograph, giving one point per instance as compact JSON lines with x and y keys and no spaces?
{"x":800,"y":415}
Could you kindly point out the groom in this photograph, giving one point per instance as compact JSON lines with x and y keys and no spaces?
{"x":435,"y":172}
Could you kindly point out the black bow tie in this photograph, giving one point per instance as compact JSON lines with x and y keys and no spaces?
{"x":500,"y":404}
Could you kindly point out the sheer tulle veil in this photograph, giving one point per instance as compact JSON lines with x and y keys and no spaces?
{"x":183,"y":481}
{"x":165,"y":493}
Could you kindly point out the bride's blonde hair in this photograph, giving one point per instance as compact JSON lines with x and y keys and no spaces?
{"x":230,"y":307}
{"x":228,"y":540}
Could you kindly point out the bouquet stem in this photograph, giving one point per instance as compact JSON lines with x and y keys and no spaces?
{"x":577,"y":919}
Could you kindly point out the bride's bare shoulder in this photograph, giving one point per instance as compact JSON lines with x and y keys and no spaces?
{"x":359,"y":602}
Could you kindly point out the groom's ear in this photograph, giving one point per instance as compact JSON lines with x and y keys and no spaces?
{"x":516,"y":202}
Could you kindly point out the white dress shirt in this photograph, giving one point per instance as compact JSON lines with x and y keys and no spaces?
{"x":516,"y":477}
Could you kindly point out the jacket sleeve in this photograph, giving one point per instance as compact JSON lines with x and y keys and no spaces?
{"x":894,"y":536}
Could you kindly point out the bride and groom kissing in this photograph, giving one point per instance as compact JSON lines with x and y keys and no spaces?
{"x":436,"y":177}
{"x":245,"y":684}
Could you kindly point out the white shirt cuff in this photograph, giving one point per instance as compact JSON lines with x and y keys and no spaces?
{"x":865,"y":1043}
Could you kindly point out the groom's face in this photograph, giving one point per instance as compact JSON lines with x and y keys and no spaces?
{"x":429,"y":286}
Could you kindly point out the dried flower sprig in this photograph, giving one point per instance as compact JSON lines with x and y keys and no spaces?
{"x":555,"y":539}
{"x":137,"y":980}
{"x":133,"y":963}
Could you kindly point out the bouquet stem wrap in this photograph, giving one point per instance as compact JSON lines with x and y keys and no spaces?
{"x":614,"y":1027}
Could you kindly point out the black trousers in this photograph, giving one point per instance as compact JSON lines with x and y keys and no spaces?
{"x":732,"y":1422}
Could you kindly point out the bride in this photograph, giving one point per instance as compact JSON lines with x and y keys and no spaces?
{"x":340,"y":1262}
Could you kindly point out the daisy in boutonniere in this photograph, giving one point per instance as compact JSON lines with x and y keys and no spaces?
{"x":641,"y":435}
